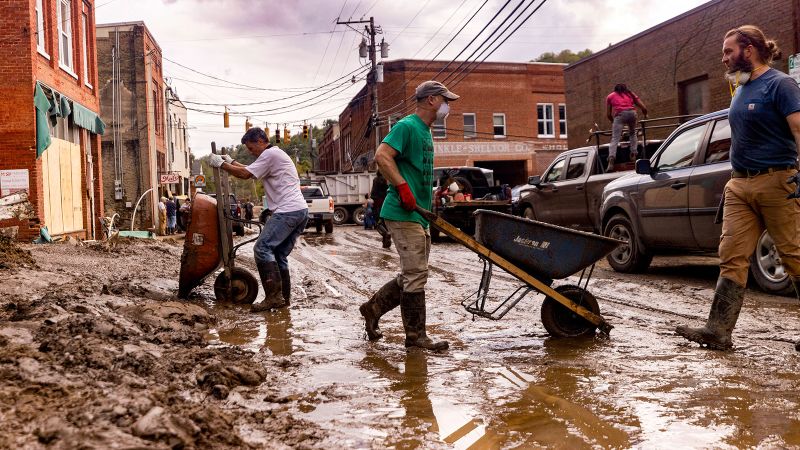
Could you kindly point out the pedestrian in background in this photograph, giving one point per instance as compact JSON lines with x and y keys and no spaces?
{"x":764,"y":118}
{"x":621,"y":111}
{"x":178,"y":218}
{"x":277,"y":172}
{"x":162,"y":216}
{"x":248,"y":211}
{"x":172,"y":212}
{"x":369,"y":217}
{"x":405,"y":157}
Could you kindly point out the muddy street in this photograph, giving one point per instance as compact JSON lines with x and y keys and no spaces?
{"x":95,"y":349}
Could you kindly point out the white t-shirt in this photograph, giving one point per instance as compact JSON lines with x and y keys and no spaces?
{"x":277,"y":172}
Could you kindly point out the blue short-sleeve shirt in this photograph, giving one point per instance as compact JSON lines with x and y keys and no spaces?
{"x":760,"y":135}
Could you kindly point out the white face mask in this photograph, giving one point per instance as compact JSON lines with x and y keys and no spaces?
{"x":738,"y":78}
{"x":443,"y":111}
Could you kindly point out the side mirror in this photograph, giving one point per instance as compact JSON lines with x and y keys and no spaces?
{"x":643,"y":167}
{"x":535,"y":180}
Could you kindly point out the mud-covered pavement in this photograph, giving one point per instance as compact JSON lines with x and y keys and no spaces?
{"x":94,"y":350}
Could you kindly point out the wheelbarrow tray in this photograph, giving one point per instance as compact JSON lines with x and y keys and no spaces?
{"x":201,"y":247}
{"x":543,"y":250}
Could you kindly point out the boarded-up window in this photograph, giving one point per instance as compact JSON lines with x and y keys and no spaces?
{"x":61,"y":180}
{"x":694,"y":96}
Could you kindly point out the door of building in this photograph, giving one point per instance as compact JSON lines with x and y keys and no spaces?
{"x":61,"y":186}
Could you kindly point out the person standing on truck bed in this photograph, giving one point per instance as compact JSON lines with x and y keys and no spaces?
{"x":621,"y":111}
{"x":765,"y":133}
{"x":405,"y":157}
{"x":277,"y":172}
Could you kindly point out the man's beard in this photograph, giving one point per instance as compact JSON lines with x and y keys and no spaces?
{"x":739,"y":71}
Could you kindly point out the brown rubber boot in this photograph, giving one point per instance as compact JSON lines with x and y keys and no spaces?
{"x":286,"y":285}
{"x":716,"y":334}
{"x":271,"y":281}
{"x":412,"y":308}
{"x":386,"y":299}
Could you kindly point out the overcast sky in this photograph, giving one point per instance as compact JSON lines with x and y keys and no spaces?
{"x":285,"y":48}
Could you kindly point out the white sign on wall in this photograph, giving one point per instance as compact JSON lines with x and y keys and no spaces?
{"x":794,"y":67}
{"x":170,"y":178}
{"x":12,"y":181}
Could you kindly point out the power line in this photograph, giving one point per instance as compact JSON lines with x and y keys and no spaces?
{"x":325,"y":53}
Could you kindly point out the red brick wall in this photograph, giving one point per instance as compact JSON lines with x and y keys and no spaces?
{"x":654,"y":63}
{"x":21,"y":65}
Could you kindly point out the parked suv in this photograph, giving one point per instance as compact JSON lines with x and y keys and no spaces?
{"x":669,"y":204}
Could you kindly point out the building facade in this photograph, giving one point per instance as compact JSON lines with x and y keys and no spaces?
{"x":675,"y":67}
{"x":178,"y":151}
{"x":511,"y":117}
{"x":133,"y":101}
{"x":50,"y":160}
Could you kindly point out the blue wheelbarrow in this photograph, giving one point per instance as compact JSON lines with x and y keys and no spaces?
{"x":536,"y":253}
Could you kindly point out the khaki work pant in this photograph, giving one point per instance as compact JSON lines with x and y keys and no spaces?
{"x":752,"y":205}
{"x":413,"y":244}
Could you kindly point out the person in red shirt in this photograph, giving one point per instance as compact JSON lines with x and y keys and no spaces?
{"x":621,"y":110}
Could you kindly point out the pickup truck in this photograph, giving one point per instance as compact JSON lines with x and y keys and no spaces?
{"x":570,"y":189}
{"x":669,"y":204}
{"x":320,"y":206}
{"x":479,"y":184}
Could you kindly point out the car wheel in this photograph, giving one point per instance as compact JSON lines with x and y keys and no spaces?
{"x":340,"y":215}
{"x":528,"y":213}
{"x":318,"y":227}
{"x":329,"y":227}
{"x":767,"y":270}
{"x":358,"y":216}
{"x":628,"y":257}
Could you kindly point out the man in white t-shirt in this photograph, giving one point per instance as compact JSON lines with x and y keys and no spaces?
{"x":278,"y":173}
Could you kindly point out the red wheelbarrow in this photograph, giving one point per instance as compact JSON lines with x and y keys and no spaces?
{"x":209,"y":245}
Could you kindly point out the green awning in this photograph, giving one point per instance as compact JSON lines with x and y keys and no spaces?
{"x":87,"y":119}
{"x":42,"y":105}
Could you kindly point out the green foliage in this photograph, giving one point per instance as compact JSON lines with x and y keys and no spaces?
{"x":564,"y":56}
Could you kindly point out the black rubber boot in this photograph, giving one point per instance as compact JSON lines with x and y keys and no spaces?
{"x":386,"y":299}
{"x":716,"y":335}
{"x":412,"y":308}
{"x":271,"y":281}
{"x":386,"y":238}
{"x":286,"y":285}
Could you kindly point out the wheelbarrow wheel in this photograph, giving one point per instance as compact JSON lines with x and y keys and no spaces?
{"x":560,"y":321}
{"x":244,"y":286}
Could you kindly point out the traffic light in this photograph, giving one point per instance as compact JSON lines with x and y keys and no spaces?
{"x":305,"y":132}
{"x":277,"y":134}
{"x":266,"y":130}
{"x":286,"y":136}
{"x":226,"y":119}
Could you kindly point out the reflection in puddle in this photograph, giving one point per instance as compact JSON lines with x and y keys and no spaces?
{"x":237,"y":326}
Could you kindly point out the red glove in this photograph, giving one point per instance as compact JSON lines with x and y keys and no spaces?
{"x":407,"y":200}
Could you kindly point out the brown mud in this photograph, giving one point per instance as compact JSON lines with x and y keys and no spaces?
{"x":96,"y":352}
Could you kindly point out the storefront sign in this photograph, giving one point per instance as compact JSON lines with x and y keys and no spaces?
{"x":492,"y":148}
{"x":12,"y":181}
{"x":170,"y":178}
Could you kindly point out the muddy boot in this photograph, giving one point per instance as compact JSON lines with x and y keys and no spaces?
{"x":412,"y":308}
{"x":286,"y":285}
{"x":271,"y":281}
{"x":611,"y":161}
{"x":387,"y":241}
{"x":386,"y":299}
{"x":728,"y":299}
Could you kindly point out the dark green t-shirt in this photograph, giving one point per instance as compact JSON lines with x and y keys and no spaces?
{"x":411,"y":137}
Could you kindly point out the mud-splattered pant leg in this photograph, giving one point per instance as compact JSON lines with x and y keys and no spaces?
{"x":413,"y":243}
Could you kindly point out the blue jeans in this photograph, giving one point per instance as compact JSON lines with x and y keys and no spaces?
{"x":172,"y":221}
{"x":278,"y":237}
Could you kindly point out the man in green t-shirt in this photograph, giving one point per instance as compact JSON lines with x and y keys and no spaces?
{"x":405,"y":157}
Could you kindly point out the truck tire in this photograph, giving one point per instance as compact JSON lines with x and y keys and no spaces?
{"x":767,"y":270}
{"x":626,"y":258}
{"x":318,"y":226}
{"x":340,"y":215}
{"x":358,"y":216}
{"x":561,"y":322}
{"x":435,"y":234}
{"x":528,"y":213}
{"x":329,"y":226}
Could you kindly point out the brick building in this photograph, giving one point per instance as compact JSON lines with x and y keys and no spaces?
{"x":675,"y":67}
{"x":133,"y":106}
{"x":49,"y":145}
{"x":511,"y":118}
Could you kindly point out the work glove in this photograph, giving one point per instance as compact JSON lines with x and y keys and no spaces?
{"x":796,"y":180}
{"x":227,"y":159}
{"x":215,"y":160}
{"x":407,"y":200}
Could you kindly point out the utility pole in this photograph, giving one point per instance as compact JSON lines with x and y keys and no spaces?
{"x":371,"y":30}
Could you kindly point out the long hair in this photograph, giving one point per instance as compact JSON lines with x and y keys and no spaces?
{"x":622,"y":89}
{"x":752,"y":35}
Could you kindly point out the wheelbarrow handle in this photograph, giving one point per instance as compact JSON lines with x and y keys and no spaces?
{"x":425,"y":213}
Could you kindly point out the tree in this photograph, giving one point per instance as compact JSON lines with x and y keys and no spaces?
{"x":564,"y":56}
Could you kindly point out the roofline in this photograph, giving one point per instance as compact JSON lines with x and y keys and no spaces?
{"x":527,"y":63}
{"x":645,"y":32}
{"x":134,"y":23}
